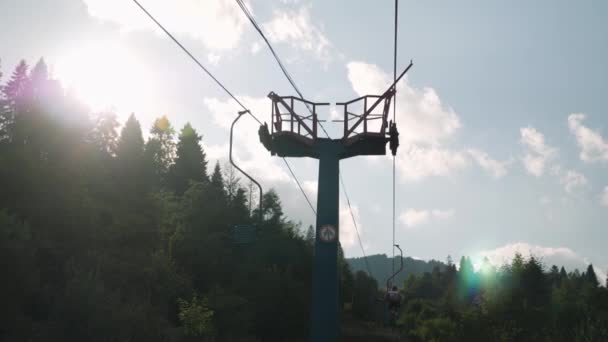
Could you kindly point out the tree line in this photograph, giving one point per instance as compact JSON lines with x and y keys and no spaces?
{"x":519,"y":301}
{"x":107,"y":236}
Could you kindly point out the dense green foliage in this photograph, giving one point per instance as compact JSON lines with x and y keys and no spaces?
{"x":105,"y":236}
{"x":518,"y":302}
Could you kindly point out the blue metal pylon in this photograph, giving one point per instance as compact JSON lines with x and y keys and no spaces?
{"x":293,"y":135}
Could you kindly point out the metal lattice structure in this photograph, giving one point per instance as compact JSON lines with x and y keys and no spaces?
{"x":285,"y":120}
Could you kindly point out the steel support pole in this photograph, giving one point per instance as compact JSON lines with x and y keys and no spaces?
{"x":324,"y":318}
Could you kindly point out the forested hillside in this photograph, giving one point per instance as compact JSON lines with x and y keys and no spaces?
{"x":105,"y":236}
{"x":521,"y":301}
{"x":381,"y":267}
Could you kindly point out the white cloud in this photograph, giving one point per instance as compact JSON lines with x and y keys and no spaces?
{"x":604,"y":197}
{"x":425,"y":125}
{"x":560,"y":256}
{"x":593,"y":146}
{"x":545,"y":200}
{"x":497,"y":168}
{"x":348,"y":233}
{"x":415,"y":163}
{"x":255,"y":48}
{"x":215,"y":153}
{"x":540,"y":157}
{"x":537,"y":153}
{"x":310,"y":188}
{"x":421,"y":116}
{"x":213,"y":58}
{"x":412,"y":217}
{"x":296,"y":29}
{"x":218,"y":24}
{"x":334,"y":114}
{"x":572,"y":180}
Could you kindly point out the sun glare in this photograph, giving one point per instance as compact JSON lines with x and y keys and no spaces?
{"x":105,"y":75}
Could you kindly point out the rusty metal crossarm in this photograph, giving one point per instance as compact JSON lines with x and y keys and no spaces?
{"x":305,"y":101}
{"x":278,"y":99}
{"x":388,"y":94}
{"x":278,"y":125}
{"x":357,"y":99}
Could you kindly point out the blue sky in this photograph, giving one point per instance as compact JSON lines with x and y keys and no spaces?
{"x":502,"y":118}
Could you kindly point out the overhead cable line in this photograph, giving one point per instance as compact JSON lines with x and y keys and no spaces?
{"x":394,"y":120}
{"x":300,"y":186}
{"x":352,"y":215}
{"x":276,"y":57}
{"x":257,"y":27}
{"x":193,"y":58}
{"x":221,"y":86}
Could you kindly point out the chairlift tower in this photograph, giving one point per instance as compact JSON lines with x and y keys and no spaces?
{"x":366,"y":132}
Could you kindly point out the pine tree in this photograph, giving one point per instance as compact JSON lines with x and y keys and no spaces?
{"x":12,"y":93}
{"x":563,"y":274}
{"x":271,"y":207}
{"x":130,"y":158}
{"x":130,"y":147}
{"x":238,"y":206}
{"x":217,"y":180}
{"x":104,"y":134}
{"x":231,"y":180}
{"x":190,"y":162}
{"x":38,"y":79}
{"x":16,"y":85}
{"x":310,"y":235}
{"x":3,"y":134}
{"x":160,"y":149}
{"x":554,"y":276}
{"x":591,"y":277}
{"x":217,"y":185}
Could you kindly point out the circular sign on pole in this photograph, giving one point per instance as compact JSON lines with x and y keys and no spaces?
{"x":328,"y":233}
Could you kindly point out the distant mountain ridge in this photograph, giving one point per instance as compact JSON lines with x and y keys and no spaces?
{"x":381,"y":267}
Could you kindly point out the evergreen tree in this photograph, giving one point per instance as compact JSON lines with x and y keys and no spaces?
{"x":217,"y":180}
{"x":16,"y":85}
{"x":231,"y":180}
{"x":238,"y":206}
{"x":364,"y":295}
{"x":217,"y":186}
{"x":190,"y":162}
{"x":554,"y":276}
{"x":104,"y":134}
{"x":271,"y":207}
{"x":130,"y":147}
{"x":12,"y":92}
{"x":562,"y":273}
{"x":310,"y":235}
{"x":130,"y":161}
{"x":591,"y":277}
{"x":160,"y":149}
{"x":38,"y":79}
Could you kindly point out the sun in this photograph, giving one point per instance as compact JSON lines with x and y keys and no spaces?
{"x":105,"y":75}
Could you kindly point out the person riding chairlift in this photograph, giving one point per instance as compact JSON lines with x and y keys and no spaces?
{"x":393,"y":298}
